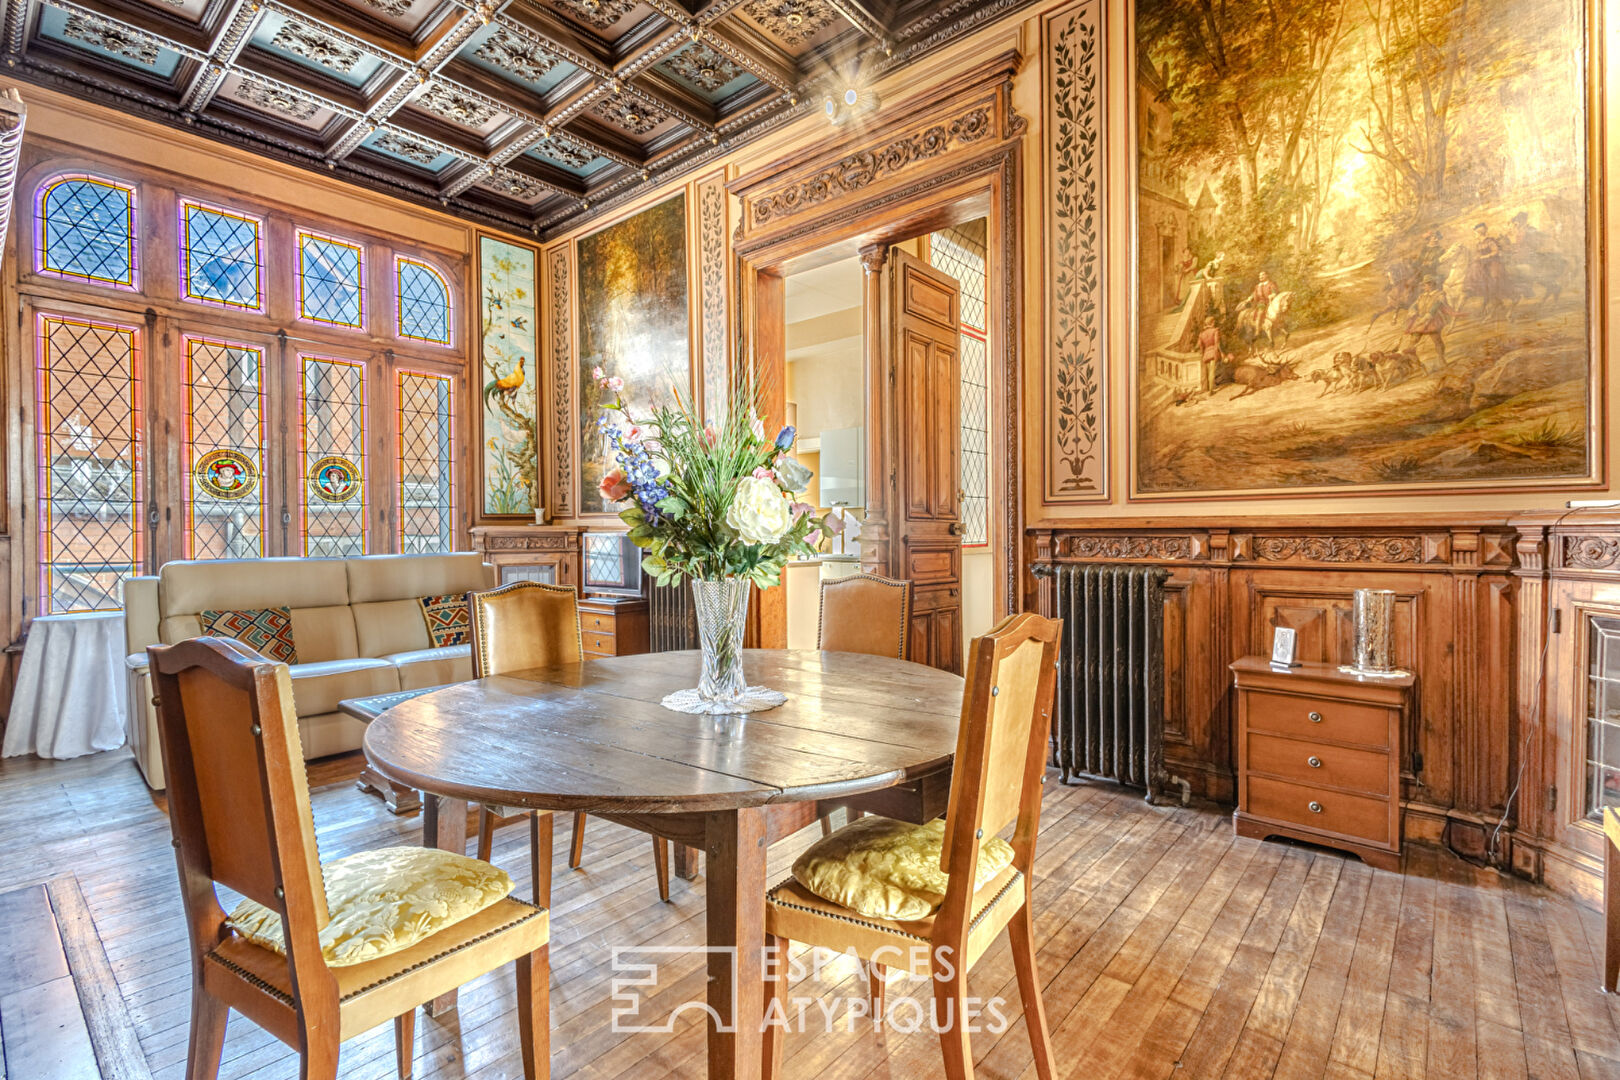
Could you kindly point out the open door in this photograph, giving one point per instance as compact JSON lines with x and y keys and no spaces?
{"x":925,"y":343}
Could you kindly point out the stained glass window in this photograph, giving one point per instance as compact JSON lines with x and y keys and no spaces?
{"x":224,"y":451}
{"x":426,"y":477}
{"x":85,"y":229}
{"x":424,"y":302}
{"x":333,"y":447}
{"x":604,"y":559}
{"x":220,"y":256}
{"x":89,"y":462}
{"x":959,"y":251}
{"x":331,"y":280}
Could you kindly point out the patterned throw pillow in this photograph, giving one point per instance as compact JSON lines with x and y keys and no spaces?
{"x":448,"y":622}
{"x":267,"y":630}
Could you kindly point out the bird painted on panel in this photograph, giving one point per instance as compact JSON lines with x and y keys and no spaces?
{"x":508,"y":384}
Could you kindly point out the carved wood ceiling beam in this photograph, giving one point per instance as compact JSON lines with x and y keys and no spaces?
{"x":233,"y":35}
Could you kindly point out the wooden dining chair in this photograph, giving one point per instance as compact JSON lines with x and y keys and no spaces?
{"x":863,"y":613}
{"x":996,"y":782}
{"x":531,"y":624}
{"x":240,"y":813}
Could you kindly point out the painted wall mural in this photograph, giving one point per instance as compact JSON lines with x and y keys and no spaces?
{"x":634,"y":323}
{"x":1076,"y":468}
{"x":510,"y":453}
{"x":1368,"y":267}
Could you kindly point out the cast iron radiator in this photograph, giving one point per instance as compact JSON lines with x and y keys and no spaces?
{"x":671,"y":620}
{"x":1109,"y":720}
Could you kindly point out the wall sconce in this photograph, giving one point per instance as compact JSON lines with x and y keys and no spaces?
{"x":852,"y":102}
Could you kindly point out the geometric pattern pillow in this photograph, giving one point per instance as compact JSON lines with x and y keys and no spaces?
{"x":266,"y":630}
{"x":447,"y":618}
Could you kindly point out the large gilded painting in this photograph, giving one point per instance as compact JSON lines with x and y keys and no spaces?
{"x":1362,"y":246}
{"x":635,"y":324}
{"x":510,"y":453}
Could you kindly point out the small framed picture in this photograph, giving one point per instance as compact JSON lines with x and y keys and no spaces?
{"x":1283,"y":640}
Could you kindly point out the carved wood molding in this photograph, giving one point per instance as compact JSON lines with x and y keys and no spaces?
{"x":562,"y":382}
{"x":1591,"y":552}
{"x":1157,"y":548}
{"x":712,"y":307}
{"x":1339,"y":549}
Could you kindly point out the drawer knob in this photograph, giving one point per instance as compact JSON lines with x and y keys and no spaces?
{"x":1314,"y":762}
{"x":1316,"y":717}
{"x":1316,"y":807}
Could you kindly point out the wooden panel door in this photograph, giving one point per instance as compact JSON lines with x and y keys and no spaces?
{"x":925,"y":326}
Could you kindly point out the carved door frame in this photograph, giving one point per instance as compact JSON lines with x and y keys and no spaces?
{"x":945,"y":157}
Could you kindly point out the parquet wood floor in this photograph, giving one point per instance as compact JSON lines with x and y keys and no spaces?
{"x":1169,"y":948}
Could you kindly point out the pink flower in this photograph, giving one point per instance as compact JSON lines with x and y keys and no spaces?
{"x":762,"y":473}
{"x":813,"y":537}
{"x":613,"y":383}
{"x":634,"y":433}
{"x":802,"y":508}
{"x":834,"y":524}
{"x":710,"y":436}
{"x":758,"y":428}
{"x":614,"y":486}
{"x":596,"y":373}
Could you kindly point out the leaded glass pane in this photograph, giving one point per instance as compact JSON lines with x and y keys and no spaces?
{"x":424,"y":303}
{"x":960,"y":252}
{"x":333,"y":444}
{"x":86,"y":230}
{"x":604,"y":559}
{"x":1602,"y":716}
{"x":330,"y":280}
{"x":221,"y":256}
{"x":89,"y":464}
{"x":426,"y":501}
{"x":224,"y":451}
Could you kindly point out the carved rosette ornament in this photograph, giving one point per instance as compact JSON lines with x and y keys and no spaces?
{"x":110,"y":37}
{"x":634,"y":116}
{"x":456,"y":107}
{"x":516,"y":55}
{"x":409,"y":149}
{"x":702,"y":67}
{"x":562,"y":152}
{"x":322,"y":48}
{"x":599,"y":13}
{"x":510,"y":183}
{"x":1340,"y":549}
{"x":276,"y":100}
{"x":1592,"y":552}
{"x":792,"y":22}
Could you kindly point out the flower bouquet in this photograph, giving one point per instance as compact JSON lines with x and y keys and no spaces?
{"x":720,"y":506}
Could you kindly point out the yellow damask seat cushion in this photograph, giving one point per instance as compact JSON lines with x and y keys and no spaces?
{"x":886,"y":869}
{"x":385,"y":900}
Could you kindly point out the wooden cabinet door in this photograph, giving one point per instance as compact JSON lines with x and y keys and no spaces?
{"x":925,"y":343}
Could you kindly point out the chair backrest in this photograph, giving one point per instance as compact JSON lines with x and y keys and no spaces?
{"x":238,"y":794}
{"x":1002,"y":742}
{"x":864,"y":613}
{"x":527,"y":624}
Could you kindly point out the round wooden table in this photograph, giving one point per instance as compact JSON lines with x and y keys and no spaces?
{"x":861,"y":731}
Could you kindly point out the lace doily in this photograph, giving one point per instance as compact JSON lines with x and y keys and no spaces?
{"x":754,"y":699}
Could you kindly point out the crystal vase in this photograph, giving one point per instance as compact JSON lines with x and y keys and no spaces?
{"x":722,"y":614}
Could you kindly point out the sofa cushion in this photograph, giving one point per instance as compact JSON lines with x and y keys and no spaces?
{"x":318,"y":687}
{"x":390,"y":626}
{"x":267,"y":631}
{"x":188,"y":587}
{"x":433,"y":667}
{"x":405,"y":577}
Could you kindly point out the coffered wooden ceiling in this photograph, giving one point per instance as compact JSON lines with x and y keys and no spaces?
{"x":527,"y":114}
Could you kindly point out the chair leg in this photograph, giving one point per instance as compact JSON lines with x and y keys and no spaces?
{"x":949,"y":993}
{"x":486,"y":832}
{"x":208,"y":1016}
{"x":826,"y":825}
{"x":1022,"y":938}
{"x":775,"y":998}
{"x":877,"y":984}
{"x":534,"y":1012}
{"x":661,"y":866}
{"x":576,"y":848}
{"x":405,"y":1042}
{"x":540,"y":856}
{"x":320,"y":1061}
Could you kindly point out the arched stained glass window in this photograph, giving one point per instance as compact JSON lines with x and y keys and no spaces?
{"x":85,"y":229}
{"x":331,"y":280}
{"x":424,"y":302}
{"x":221,"y":257}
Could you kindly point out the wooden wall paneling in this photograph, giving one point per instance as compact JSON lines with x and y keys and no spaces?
{"x":767,"y":615}
{"x":559,"y":411}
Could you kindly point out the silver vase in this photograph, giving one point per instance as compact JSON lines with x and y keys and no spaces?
{"x":1373,"y":614}
{"x":722,"y":614}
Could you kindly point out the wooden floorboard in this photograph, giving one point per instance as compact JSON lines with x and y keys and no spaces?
{"x":1167,"y":947}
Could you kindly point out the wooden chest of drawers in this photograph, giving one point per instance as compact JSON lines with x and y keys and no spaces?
{"x":613,"y":625}
{"x":1319,"y":757}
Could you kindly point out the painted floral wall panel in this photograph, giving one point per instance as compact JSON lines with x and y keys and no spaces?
{"x":1076,"y":409}
{"x":1368,"y":268}
{"x":510,"y":374}
{"x":634,"y":324}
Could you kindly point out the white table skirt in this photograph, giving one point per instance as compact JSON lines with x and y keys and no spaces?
{"x":69,"y":699}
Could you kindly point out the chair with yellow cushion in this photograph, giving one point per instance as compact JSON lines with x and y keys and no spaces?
{"x":931,"y":899}
{"x":523,"y":625}
{"x":316,"y":953}
{"x":864,"y":613}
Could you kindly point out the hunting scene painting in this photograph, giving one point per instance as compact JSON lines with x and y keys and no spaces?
{"x":510,"y":454}
{"x":1362,"y":245}
{"x":634,"y":331}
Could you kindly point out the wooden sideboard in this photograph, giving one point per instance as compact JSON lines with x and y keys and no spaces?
{"x":613,"y":625}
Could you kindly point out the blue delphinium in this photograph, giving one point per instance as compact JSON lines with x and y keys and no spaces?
{"x":646,"y":485}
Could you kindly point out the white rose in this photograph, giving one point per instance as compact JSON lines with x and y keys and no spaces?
{"x":794,"y":474}
{"x":759,"y":512}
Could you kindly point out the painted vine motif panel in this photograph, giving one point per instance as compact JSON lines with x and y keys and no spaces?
{"x":635,"y":325}
{"x":508,"y":449}
{"x":1368,"y":269}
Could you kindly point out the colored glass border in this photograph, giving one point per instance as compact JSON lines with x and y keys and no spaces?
{"x":303,"y":446}
{"x":450,"y":442}
{"x":299,"y":237}
{"x":42,"y":231}
{"x":258,"y":255}
{"x":191,"y":445}
{"x":400,"y":262}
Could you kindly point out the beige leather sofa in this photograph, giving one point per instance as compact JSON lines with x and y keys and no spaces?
{"x":357,"y":626}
